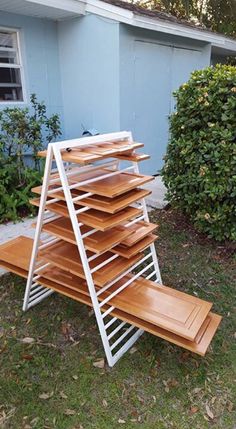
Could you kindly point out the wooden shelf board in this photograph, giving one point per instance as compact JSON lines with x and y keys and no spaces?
{"x":139,"y":231}
{"x":160,"y":305}
{"x":98,"y":202}
{"x":168,"y":308}
{"x":77,"y":290}
{"x":204,"y":337}
{"x":94,"y":218}
{"x":128,"y":252}
{"x":66,"y":256}
{"x":17,"y":252}
{"x":134,"y":157}
{"x":86,"y":154}
{"x":14,"y":269}
{"x":116,"y":185}
{"x":98,"y":242}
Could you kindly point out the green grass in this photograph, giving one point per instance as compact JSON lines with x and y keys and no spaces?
{"x":158,"y":386}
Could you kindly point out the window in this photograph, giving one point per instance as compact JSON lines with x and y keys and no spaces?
{"x":11,"y":89}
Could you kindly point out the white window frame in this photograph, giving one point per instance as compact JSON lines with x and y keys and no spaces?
{"x":19,"y":66}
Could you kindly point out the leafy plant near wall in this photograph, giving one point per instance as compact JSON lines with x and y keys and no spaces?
{"x":22,"y":132}
{"x":200,"y":165}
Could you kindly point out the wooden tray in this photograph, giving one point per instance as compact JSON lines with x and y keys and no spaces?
{"x":98,"y":202}
{"x":134,"y":157}
{"x":66,"y":256}
{"x":160,"y":305}
{"x":17,"y":252}
{"x":139,"y":231}
{"x":116,"y":185}
{"x":98,"y":242}
{"x":84,"y":155}
{"x":79,"y":292}
{"x":94,"y":218}
{"x":128,"y":252}
{"x":170,"y":309}
{"x":74,"y":289}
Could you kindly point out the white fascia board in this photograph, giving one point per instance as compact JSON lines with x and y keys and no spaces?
{"x":129,"y":17}
{"x":73,"y":6}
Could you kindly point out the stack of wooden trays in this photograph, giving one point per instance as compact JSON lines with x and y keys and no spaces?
{"x":109,"y":208}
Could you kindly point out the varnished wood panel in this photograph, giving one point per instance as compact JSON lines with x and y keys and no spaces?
{"x":14,"y":269}
{"x":97,"y":242}
{"x":78,"y":291}
{"x":168,"y":308}
{"x":128,"y":252}
{"x":66,"y":256}
{"x":17,"y":252}
{"x":91,"y":153}
{"x":98,"y":202}
{"x":94,"y":218}
{"x":139,"y":231}
{"x":102,"y":240}
{"x":116,"y":185}
{"x":135,"y":157}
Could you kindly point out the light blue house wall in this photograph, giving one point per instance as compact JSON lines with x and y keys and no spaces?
{"x":98,"y":73}
{"x":39,"y":49}
{"x":152,"y":66}
{"x":89,"y":62}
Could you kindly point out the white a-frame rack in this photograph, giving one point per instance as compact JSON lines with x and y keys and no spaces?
{"x":81,"y":164}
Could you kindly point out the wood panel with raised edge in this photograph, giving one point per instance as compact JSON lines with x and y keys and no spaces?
{"x":199,"y":346}
{"x":116,"y":185}
{"x":94,"y":218}
{"x":102,"y":241}
{"x":78,"y":291}
{"x":134,"y":157}
{"x":66,"y":256}
{"x":128,"y":252}
{"x":168,"y":308}
{"x":17,"y":252}
{"x":14,"y":269}
{"x":160,"y":305}
{"x":98,"y":242}
{"x":139,"y":231}
{"x":98,"y":202}
{"x":91,"y":153}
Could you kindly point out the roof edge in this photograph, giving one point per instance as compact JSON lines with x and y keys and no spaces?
{"x":126,"y":16}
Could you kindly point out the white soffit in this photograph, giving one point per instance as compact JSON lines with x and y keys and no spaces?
{"x":51,"y":9}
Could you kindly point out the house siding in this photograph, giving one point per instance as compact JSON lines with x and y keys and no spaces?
{"x":40,"y":57}
{"x":152,"y":66}
{"x":89,"y":62}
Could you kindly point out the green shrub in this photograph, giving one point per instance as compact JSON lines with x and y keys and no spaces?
{"x":22,"y":131}
{"x":200,"y":165}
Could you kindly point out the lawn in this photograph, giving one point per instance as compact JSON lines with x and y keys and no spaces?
{"x":47,"y":376}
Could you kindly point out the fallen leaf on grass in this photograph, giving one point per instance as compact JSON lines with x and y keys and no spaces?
{"x":209,"y":412}
{"x":69,"y":412}
{"x":194,"y":410}
{"x":121,"y":421}
{"x":62,"y":395}
{"x":45,"y":395}
{"x":197,"y":390}
{"x":27,"y":357}
{"x":104,"y":403}
{"x":99,"y":363}
{"x":230,"y":406}
{"x":133,"y":350}
{"x":75,"y":377}
{"x":27,"y":340}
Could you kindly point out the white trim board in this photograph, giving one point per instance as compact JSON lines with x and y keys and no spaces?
{"x":129,"y":17}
